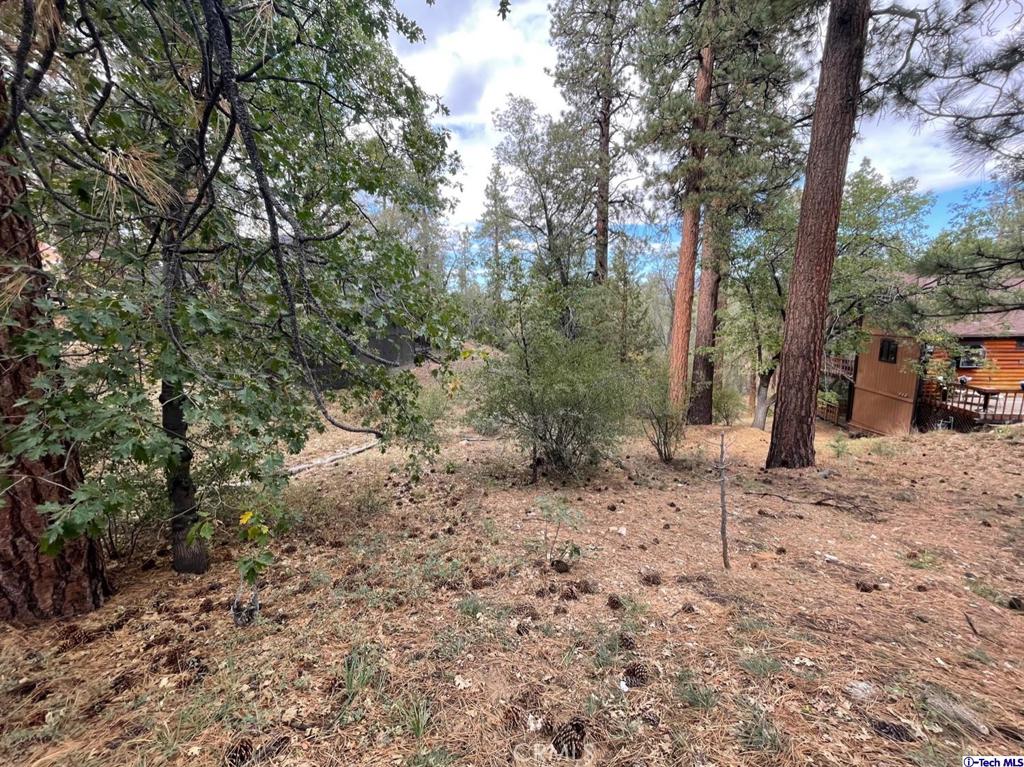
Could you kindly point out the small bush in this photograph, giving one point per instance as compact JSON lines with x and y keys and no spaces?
{"x":840,"y":445}
{"x":561,"y":398}
{"x":663,"y":424}
{"x":433,"y":402}
{"x":727,"y":405}
{"x":371,"y":500}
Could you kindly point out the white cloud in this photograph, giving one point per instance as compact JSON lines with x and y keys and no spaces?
{"x":900,"y":147}
{"x":482,"y":59}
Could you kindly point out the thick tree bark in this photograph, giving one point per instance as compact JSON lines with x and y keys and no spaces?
{"x":679,"y":350}
{"x":835,"y":112}
{"x":703,"y":380}
{"x":762,"y":402}
{"x":33,"y":586}
{"x":188,"y":557}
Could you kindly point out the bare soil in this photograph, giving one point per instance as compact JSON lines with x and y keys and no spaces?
{"x":865,"y":619}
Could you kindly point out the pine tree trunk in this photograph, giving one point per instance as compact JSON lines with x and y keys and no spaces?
{"x":188,"y":557}
{"x":835,"y":112}
{"x":682,"y":308}
{"x":603,"y":186}
{"x":701,"y":399}
{"x":604,"y":147}
{"x":33,"y":586}
{"x":761,"y":400}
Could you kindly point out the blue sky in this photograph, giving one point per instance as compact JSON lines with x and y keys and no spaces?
{"x":474,"y":61}
{"x":947,"y":200}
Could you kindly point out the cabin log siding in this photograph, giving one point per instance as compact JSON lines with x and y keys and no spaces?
{"x":1004,"y":363}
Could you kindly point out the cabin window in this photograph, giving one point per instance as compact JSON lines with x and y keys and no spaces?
{"x":887,"y":350}
{"x":1020,"y":344}
{"x":973,"y":357}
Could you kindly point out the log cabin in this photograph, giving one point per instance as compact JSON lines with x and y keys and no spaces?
{"x":892,"y":389}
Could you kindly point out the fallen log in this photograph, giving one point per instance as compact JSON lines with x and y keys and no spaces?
{"x":330,"y":460}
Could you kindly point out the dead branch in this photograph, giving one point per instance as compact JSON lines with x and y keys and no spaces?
{"x":330,"y":460}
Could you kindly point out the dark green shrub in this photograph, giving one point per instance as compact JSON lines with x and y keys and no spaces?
{"x":559,"y":391}
{"x":727,"y":405}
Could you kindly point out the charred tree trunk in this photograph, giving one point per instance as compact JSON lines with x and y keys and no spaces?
{"x":33,"y":586}
{"x":702,"y":385}
{"x":188,"y":557}
{"x":679,"y":350}
{"x":762,"y":402}
{"x":835,"y":112}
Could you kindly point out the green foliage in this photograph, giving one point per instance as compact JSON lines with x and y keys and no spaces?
{"x":923,"y":560}
{"x":434,"y":403}
{"x":839,"y":445}
{"x":435,"y":757}
{"x":881,"y":234}
{"x":663,"y":423}
{"x":976,"y":264}
{"x":415,"y":715}
{"x":558,"y":514}
{"x":757,"y":731}
{"x":727,"y":405}
{"x":560,"y":392}
{"x":361,"y":669}
{"x":607,"y":647}
{"x":174,"y":268}
{"x":471,"y":606}
{"x":760,"y":664}
{"x":694,"y":694}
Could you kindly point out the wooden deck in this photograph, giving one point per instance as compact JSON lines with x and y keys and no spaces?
{"x":964,"y":408}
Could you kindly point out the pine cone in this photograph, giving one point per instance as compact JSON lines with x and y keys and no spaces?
{"x":526,"y":610}
{"x":239,"y":753}
{"x":569,"y":738}
{"x":73,"y":636}
{"x":636,"y":674}
{"x":650,"y":578}
{"x":515,"y":717}
{"x":586,"y":586}
{"x":627,"y":641}
{"x":569,"y":592}
{"x":650,"y":717}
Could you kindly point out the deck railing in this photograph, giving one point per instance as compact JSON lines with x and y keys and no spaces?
{"x":838,"y":367}
{"x":963,"y":407}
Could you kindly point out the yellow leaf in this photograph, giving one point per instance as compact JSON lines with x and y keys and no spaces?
{"x":244,"y":519}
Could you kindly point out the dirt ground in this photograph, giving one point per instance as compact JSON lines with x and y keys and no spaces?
{"x":865,"y":619}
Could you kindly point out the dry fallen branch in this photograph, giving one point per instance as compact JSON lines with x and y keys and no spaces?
{"x":330,"y":460}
